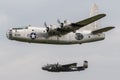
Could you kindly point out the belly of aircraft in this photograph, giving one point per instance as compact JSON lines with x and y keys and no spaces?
{"x":67,"y":39}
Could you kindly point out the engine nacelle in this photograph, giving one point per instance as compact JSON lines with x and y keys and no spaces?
{"x":66,"y":22}
{"x":52,"y":27}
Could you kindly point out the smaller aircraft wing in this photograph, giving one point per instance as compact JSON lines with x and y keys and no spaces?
{"x":69,"y":65}
{"x":102,"y":30}
{"x":74,"y":26}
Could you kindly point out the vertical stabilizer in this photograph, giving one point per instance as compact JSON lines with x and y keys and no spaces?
{"x":95,"y":25}
{"x":93,"y":12}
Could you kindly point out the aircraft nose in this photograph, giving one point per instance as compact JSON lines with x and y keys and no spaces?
{"x":9,"y":34}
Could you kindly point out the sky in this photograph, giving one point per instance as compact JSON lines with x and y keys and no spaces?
{"x":23,"y":61}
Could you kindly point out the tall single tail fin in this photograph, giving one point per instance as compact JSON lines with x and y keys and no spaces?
{"x":93,"y":12}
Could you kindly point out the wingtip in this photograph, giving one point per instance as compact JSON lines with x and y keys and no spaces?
{"x":103,"y":14}
{"x":112,"y":27}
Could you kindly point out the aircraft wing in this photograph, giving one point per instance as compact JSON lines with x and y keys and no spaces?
{"x":74,"y":26}
{"x":69,"y":65}
{"x":102,"y":30}
{"x":88,"y":21}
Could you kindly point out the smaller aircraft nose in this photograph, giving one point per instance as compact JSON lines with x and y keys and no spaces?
{"x":43,"y":68}
{"x":9,"y":34}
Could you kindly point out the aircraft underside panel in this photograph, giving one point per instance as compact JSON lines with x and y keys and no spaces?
{"x":67,"y":39}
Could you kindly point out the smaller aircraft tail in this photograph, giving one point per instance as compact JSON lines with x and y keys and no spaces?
{"x":85,"y":64}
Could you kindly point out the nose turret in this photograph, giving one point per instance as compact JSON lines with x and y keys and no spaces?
{"x":43,"y":68}
{"x":9,"y":34}
{"x":47,"y":67}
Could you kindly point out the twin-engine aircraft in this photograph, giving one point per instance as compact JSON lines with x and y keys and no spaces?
{"x":65,"y":68}
{"x":66,"y":33}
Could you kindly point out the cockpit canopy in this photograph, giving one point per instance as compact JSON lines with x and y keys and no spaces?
{"x":17,"y":28}
{"x":26,"y":27}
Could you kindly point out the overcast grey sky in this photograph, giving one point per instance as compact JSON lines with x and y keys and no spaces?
{"x":23,"y":61}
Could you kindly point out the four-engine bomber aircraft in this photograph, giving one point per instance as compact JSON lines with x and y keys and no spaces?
{"x":65,"y":68}
{"x":67,"y":33}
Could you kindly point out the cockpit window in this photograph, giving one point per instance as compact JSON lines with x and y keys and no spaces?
{"x":16,"y":28}
{"x":20,"y":28}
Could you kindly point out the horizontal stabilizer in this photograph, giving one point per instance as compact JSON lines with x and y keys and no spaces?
{"x":102,"y":30}
{"x":81,"y":68}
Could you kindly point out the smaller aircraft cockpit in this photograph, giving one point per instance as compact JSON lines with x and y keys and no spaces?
{"x":51,"y":66}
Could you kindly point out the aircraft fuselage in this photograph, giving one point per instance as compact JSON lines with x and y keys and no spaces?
{"x":40,"y":35}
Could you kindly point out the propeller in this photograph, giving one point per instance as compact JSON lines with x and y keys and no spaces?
{"x":61,"y":23}
{"x":47,"y":28}
{"x":58,"y":21}
{"x":57,"y":63}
